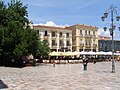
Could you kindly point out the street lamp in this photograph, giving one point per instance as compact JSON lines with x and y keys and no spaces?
{"x":112,"y":10}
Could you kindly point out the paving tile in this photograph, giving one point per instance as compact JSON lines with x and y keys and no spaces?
{"x":62,"y":77}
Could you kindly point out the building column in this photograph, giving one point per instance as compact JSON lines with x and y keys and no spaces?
{"x":84,"y":43}
{"x":92,"y":44}
{"x":50,"y":40}
{"x":71,"y":44}
{"x":64,"y":41}
{"x":57,"y":41}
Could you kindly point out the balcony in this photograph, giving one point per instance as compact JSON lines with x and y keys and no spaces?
{"x":69,"y":44}
{"x":88,"y":46}
{"x":94,"y":45}
{"x":46,"y":37}
{"x":61,"y":44}
{"x":67,"y":36}
{"x":54,"y":37}
{"x":88,"y":36}
{"x":94,"y":36}
{"x":54,"y":46}
{"x":61,"y":37}
{"x":81,"y":35}
{"x":81,"y":45}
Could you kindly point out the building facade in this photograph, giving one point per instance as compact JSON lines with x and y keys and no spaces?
{"x":84,"y":38}
{"x":106,"y":45}
{"x":73,"y":38}
{"x":59,"y":39}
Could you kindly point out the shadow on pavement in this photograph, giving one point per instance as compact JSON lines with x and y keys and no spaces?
{"x":3,"y":85}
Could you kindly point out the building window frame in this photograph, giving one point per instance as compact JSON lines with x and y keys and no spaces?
{"x":61,"y":34}
{"x":80,"y":32}
{"x":53,"y":34}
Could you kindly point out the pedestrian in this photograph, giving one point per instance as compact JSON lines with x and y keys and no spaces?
{"x":85,"y":61}
{"x":54,"y":63}
{"x":31,"y":56}
{"x":94,"y":61}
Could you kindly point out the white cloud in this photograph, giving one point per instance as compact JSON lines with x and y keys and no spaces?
{"x":51,"y":23}
{"x":101,"y":32}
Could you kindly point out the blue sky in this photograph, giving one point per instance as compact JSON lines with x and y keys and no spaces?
{"x":71,"y":12}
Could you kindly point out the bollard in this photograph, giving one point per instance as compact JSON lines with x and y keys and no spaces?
{"x":85,"y":66}
{"x":53,"y":64}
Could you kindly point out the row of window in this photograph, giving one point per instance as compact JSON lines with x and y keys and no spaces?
{"x":61,"y":43}
{"x":87,"y":41}
{"x":87,"y":32}
{"x":54,"y":34}
{"x":87,"y":50}
{"x":87,"y":44}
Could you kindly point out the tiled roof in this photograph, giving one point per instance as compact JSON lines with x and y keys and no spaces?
{"x":83,"y":26}
{"x":50,"y":27}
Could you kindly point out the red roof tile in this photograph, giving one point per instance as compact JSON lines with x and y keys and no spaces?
{"x":83,"y":26}
{"x":50,"y":27}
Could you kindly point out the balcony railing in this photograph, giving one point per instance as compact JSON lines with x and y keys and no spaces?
{"x":54,"y":45}
{"x":88,"y":36}
{"x":67,"y":36}
{"x":94,"y":45}
{"x":68,"y":44}
{"x":61,"y":37}
{"x":46,"y":37}
{"x":54,"y":35}
{"x":82,"y":45}
{"x":94,"y":36}
{"x":81,"y":35}
{"x":61,"y":44}
{"x":88,"y":45}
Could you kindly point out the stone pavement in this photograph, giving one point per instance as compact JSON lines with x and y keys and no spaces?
{"x":61,"y":77}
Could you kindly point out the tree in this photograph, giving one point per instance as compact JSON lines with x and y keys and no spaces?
{"x":2,"y":13}
{"x":44,"y":49}
{"x":16,"y":37}
{"x":14,"y":22}
{"x":2,"y":18}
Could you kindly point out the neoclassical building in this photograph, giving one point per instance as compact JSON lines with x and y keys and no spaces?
{"x":73,"y":38}
{"x":84,"y":38}
{"x":59,"y":39}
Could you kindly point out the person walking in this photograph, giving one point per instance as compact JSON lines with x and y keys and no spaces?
{"x":85,"y":62}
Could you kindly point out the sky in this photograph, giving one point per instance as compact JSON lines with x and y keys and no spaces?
{"x":70,"y":12}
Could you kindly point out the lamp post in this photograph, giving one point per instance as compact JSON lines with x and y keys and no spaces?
{"x":112,"y":10}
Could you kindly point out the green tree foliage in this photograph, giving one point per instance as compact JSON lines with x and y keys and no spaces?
{"x":2,"y":18}
{"x":14,"y":21}
{"x":43,"y":49}
{"x":2,"y":13}
{"x":16,"y":37}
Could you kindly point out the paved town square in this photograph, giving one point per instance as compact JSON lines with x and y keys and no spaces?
{"x":61,"y":77}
